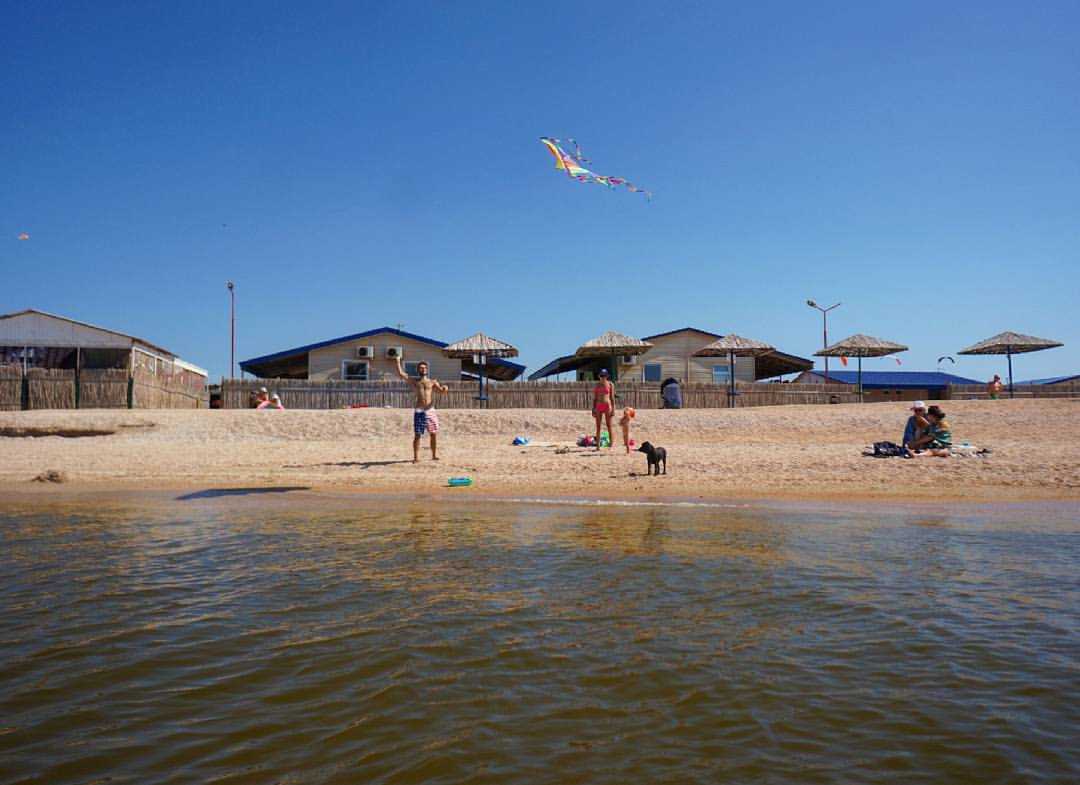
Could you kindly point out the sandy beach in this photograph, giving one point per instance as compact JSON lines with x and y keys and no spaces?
{"x":766,"y":452}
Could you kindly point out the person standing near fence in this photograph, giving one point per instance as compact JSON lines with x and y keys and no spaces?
{"x":424,"y":417}
{"x":993,"y":388}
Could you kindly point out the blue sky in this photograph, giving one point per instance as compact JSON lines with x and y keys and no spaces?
{"x":351,"y":165}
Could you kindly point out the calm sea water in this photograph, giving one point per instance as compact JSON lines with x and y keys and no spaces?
{"x":297,"y":639}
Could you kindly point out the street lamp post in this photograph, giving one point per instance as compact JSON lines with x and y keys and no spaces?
{"x":824,"y":331}
{"x":232,"y":330}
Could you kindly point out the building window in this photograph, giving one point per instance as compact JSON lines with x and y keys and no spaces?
{"x":354,"y":370}
{"x":410,"y":369}
{"x":651,"y":372}
{"x":721,"y":374}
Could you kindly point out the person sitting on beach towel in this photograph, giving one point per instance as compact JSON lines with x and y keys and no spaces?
{"x":937,"y":441}
{"x":917,"y":424}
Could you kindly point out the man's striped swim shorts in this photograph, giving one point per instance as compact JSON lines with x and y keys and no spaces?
{"x":425,"y":420}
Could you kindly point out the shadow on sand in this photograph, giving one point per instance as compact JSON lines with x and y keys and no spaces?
{"x":213,"y":493}
{"x":364,"y":464}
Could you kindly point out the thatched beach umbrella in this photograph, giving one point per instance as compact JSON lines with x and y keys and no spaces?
{"x":1010,"y":344}
{"x":860,"y":346}
{"x":479,"y":347}
{"x":732,"y":346}
{"x":612,"y":344}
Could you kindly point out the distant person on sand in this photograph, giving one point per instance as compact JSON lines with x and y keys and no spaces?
{"x":937,"y":441}
{"x":273,"y":403}
{"x":257,"y":397}
{"x":603,"y":407}
{"x":671,"y":393}
{"x":993,"y":388}
{"x":424,"y":417}
{"x":917,"y":424}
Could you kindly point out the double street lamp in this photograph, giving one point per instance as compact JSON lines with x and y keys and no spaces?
{"x":825,"y":331}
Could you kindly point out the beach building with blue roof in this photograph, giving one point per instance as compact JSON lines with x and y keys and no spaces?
{"x":372,"y":355}
{"x":672,"y":355}
{"x":892,"y":385}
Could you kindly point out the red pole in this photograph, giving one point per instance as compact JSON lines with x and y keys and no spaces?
{"x":232,"y":331}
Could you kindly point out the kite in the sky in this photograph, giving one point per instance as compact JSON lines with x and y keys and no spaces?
{"x":574,"y":166}
{"x":24,"y":236}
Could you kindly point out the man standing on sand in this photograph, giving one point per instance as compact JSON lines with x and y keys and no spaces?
{"x":424,"y":417}
{"x":993,"y":388}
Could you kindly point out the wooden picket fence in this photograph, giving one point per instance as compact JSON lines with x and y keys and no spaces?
{"x":305,"y":394}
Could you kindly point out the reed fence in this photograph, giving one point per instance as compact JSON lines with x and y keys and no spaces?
{"x":11,"y":386}
{"x":305,"y":394}
{"x":103,"y":389}
{"x":51,"y":388}
{"x":152,"y":391}
{"x":978,"y":391}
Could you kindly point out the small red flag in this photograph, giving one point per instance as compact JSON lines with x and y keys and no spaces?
{"x":843,"y":360}
{"x":24,"y":237}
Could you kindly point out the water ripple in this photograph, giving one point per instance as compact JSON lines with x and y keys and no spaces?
{"x":538,"y":643}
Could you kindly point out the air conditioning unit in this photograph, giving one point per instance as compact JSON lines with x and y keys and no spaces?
{"x":629,"y":359}
{"x":395,"y":351}
{"x":365,"y":352}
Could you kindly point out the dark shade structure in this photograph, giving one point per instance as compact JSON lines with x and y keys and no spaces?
{"x":479,"y":347}
{"x":860,"y":346}
{"x":1010,"y":344}
{"x":733,"y":346}
{"x":612,"y":344}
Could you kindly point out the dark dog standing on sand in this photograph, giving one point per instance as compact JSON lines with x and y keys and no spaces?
{"x":655,"y":456}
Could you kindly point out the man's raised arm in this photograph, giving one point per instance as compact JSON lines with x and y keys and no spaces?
{"x":401,"y":372}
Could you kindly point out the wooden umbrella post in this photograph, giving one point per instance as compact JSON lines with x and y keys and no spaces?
{"x":1009,"y":355}
{"x":731,"y":376}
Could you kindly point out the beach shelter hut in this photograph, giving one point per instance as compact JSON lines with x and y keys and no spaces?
{"x":1010,"y":344}
{"x":612,"y":345}
{"x":479,"y":347}
{"x":733,"y":346}
{"x":860,"y":346}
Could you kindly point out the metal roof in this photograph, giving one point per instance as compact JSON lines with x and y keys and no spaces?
{"x":1053,"y":379}
{"x":682,"y":330}
{"x":920,"y":380}
{"x":135,"y":339}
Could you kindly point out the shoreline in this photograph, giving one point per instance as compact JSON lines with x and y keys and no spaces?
{"x":475,"y":494}
{"x":796,"y":453}
{"x":1051,"y":511}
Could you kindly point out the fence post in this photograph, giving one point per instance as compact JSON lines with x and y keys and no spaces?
{"x":131,"y":392}
{"x":24,"y":393}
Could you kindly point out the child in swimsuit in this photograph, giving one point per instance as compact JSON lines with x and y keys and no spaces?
{"x":624,"y":423}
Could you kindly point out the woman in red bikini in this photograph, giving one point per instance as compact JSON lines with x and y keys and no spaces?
{"x":603,"y":406}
